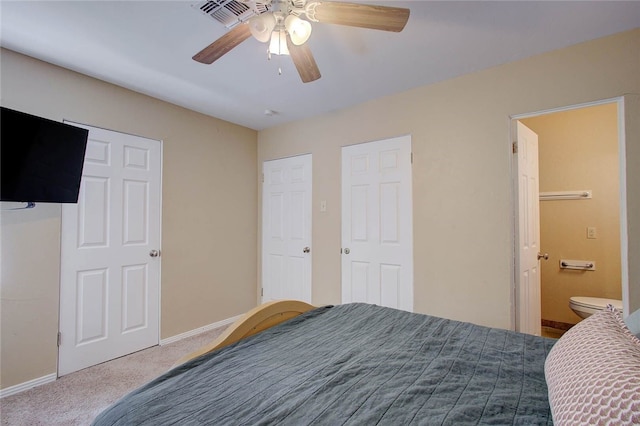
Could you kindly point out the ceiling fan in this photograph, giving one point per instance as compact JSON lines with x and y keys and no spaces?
{"x":280,"y":23}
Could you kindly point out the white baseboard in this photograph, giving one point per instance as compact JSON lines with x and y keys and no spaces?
{"x":198,"y":330}
{"x":21,"y":387}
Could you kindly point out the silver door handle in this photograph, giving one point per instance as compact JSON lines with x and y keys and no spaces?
{"x":543,"y":256}
{"x":306,"y":250}
{"x":154,"y":253}
{"x":347,"y":251}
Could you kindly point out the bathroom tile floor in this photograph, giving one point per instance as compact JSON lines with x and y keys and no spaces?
{"x":552,"y":332}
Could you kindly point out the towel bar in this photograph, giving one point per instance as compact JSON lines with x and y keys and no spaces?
{"x":581,"y":265}
{"x":566,"y":195}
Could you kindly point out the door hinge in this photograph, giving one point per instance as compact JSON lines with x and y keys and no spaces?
{"x":262,"y":292}
{"x":262,"y":178}
{"x":59,"y":342}
{"x":412,"y":158}
{"x":514,"y":147}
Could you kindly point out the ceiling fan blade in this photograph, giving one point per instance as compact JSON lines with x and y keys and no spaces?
{"x":362,"y":15}
{"x":223,"y":45}
{"x":304,"y":61}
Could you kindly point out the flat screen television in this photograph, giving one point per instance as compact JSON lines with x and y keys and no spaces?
{"x":41,"y":160}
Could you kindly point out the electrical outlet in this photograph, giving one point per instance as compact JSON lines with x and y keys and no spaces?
{"x":591,"y":233}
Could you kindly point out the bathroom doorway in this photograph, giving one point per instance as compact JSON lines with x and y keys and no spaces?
{"x":579,"y":152}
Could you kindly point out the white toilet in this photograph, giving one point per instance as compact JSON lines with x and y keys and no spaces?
{"x":587,"y":306}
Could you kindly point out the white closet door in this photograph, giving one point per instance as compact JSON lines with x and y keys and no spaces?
{"x":286,"y":229}
{"x":110,"y":269}
{"x":377,"y":230}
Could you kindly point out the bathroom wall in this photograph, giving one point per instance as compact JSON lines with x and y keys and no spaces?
{"x":578,"y":150}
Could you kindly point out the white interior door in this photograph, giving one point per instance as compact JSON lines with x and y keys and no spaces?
{"x":377,"y":224}
{"x":528,"y":279}
{"x":110,"y":268}
{"x":286,"y":229}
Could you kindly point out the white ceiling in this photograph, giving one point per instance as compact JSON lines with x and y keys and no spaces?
{"x":147,"y":46}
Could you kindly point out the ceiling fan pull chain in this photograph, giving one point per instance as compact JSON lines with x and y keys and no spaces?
{"x":279,"y":63}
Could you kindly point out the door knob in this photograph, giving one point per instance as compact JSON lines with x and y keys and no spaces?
{"x":154,"y":253}
{"x":347,"y":251}
{"x":306,"y":249}
{"x":543,"y":256}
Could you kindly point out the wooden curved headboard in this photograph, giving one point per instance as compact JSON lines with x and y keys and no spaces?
{"x":256,"y":320}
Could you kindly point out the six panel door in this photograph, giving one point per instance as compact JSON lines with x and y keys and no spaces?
{"x":377,"y":235}
{"x":110,"y":264}
{"x":286,"y":229}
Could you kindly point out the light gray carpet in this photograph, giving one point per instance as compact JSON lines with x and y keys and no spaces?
{"x":77,"y":398}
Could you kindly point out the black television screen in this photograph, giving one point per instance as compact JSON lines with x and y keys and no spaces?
{"x":40,"y":160}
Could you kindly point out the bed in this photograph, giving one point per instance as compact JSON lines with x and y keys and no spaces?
{"x":290,"y":363}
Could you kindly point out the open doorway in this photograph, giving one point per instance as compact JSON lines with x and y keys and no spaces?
{"x":579,"y":150}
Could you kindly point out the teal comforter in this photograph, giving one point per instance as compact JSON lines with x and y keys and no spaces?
{"x":355,"y":364}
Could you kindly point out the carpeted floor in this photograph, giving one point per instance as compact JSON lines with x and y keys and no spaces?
{"x":77,"y":398}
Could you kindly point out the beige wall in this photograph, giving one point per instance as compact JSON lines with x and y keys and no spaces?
{"x":578,"y":150}
{"x":463,"y":234}
{"x":462,"y":181}
{"x":209,"y":205}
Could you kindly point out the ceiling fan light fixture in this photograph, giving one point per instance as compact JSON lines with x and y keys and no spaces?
{"x":278,"y":45}
{"x":299,"y":30}
{"x":262,"y":26}
{"x":280,"y":23}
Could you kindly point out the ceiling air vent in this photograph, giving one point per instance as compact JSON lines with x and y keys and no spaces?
{"x":230,"y":12}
